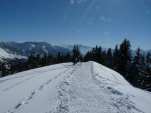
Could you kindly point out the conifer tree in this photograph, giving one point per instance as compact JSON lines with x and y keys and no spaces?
{"x":116,"y":58}
{"x":124,"y":57}
{"x":109,"y":57}
{"x":134,"y":76}
{"x":148,"y":58}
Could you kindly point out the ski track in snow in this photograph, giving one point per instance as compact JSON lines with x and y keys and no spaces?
{"x":31,"y":73}
{"x":63,"y":93}
{"x":120,"y":101}
{"x":82,"y":88}
{"x":16,"y":84}
{"x":27,"y":77}
{"x":35,"y":92}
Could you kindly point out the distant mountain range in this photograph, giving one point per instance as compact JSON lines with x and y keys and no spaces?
{"x":84,"y":49}
{"x":10,"y":50}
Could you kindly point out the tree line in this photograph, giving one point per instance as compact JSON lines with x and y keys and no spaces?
{"x":134,"y":66}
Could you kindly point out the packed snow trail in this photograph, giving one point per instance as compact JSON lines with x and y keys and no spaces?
{"x":65,"y":88}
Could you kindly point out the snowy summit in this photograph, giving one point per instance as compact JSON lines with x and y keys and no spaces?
{"x":63,"y":88}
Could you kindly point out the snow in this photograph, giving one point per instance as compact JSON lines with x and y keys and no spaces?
{"x":65,"y":88}
{"x":33,"y":45}
{"x":5,"y":55}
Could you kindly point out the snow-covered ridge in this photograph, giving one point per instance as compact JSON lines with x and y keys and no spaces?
{"x":65,"y":88}
{"x":5,"y":55}
{"x":28,"y":48}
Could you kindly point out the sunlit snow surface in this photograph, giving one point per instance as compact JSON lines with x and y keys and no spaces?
{"x":5,"y":55}
{"x":84,"y":88}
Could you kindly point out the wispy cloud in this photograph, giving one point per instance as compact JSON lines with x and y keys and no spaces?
{"x":106,"y":33}
{"x":105,"y":19}
{"x":72,"y":2}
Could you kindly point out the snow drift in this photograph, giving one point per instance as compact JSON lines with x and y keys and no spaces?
{"x":63,"y":88}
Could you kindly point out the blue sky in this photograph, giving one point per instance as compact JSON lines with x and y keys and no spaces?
{"x":88,"y":22}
